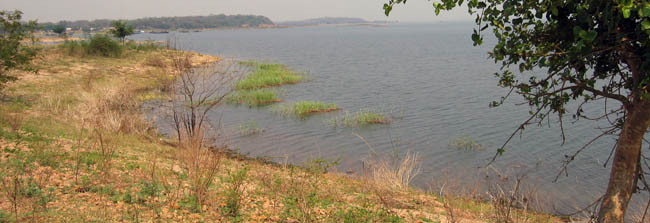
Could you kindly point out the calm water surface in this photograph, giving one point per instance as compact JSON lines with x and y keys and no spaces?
{"x":430,"y":79}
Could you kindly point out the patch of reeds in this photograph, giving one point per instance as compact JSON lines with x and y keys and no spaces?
{"x":254,"y":97}
{"x":360,"y":119}
{"x":249,"y":128}
{"x":267,"y":75}
{"x":304,"y":108}
{"x":465,"y":143}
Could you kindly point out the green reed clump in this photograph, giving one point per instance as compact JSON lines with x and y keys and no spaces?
{"x":360,"y":119}
{"x":303,"y":108}
{"x":249,"y":128}
{"x":267,"y":75}
{"x":254,"y":97}
{"x":466,"y":143}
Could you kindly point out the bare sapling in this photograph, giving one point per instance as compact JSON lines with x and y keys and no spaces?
{"x":196,"y":93}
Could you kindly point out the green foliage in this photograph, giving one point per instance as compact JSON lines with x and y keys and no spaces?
{"x":127,"y":198}
{"x":320,"y":166}
{"x":46,"y":154}
{"x":103,"y":45}
{"x":41,"y":196}
{"x":254,"y":97}
{"x":234,"y":194}
{"x":121,"y":29}
{"x":304,"y":108}
{"x":97,"y":45}
{"x":191,"y":203}
{"x":59,"y":29}
{"x":465,"y":143}
{"x":267,"y":75}
{"x":13,"y":54}
{"x":4,"y":216}
{"x":360,"y":119}
{"x":358,"y":215}
{"x":148,"y":190}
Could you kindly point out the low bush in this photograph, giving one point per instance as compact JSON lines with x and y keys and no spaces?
{"x":103,"y":45}
{"x":97,"y":45}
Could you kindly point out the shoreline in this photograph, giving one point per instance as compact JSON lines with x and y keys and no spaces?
{"x":77,"y":109}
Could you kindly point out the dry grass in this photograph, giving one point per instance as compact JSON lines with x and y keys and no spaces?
{"x":397,"y":172}
{"x":156,"y":62}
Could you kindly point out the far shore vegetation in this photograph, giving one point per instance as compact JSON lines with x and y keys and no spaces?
{"x":165,"y":23}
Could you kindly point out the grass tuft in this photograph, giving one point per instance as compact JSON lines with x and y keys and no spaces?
{"x":249,"y":128}
{"x":466,"y":143}
{"x":254,"y":97}
{"x":267,"y":75}
{"x":360,"y":119}
{"x":304,"y":108}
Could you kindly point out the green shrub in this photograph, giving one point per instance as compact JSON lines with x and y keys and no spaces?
{"x":97,"y":45}
{"x":234,"y":193}
{"x":103,"y":45}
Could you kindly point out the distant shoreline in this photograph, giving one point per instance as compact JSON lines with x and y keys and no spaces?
{"x":334,"y":25}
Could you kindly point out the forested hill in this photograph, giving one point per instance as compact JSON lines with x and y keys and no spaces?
{"x":172,"y":23}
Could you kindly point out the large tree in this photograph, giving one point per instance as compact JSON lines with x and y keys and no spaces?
{"x":59,"y":29}
{"x":590,"y":50}
{"x":121,"y":29}
{"x":13,"y":55}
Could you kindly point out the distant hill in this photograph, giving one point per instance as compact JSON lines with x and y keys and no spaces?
{"x":323,"y":21}
{"x":172,"y":23}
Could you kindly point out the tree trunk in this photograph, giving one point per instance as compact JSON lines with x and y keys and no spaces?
{"x":622,"y":179}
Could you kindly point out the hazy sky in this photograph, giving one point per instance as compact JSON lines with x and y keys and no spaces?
{"x":276,"y":10}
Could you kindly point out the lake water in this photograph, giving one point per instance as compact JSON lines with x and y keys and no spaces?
{"x":435,"y":85}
